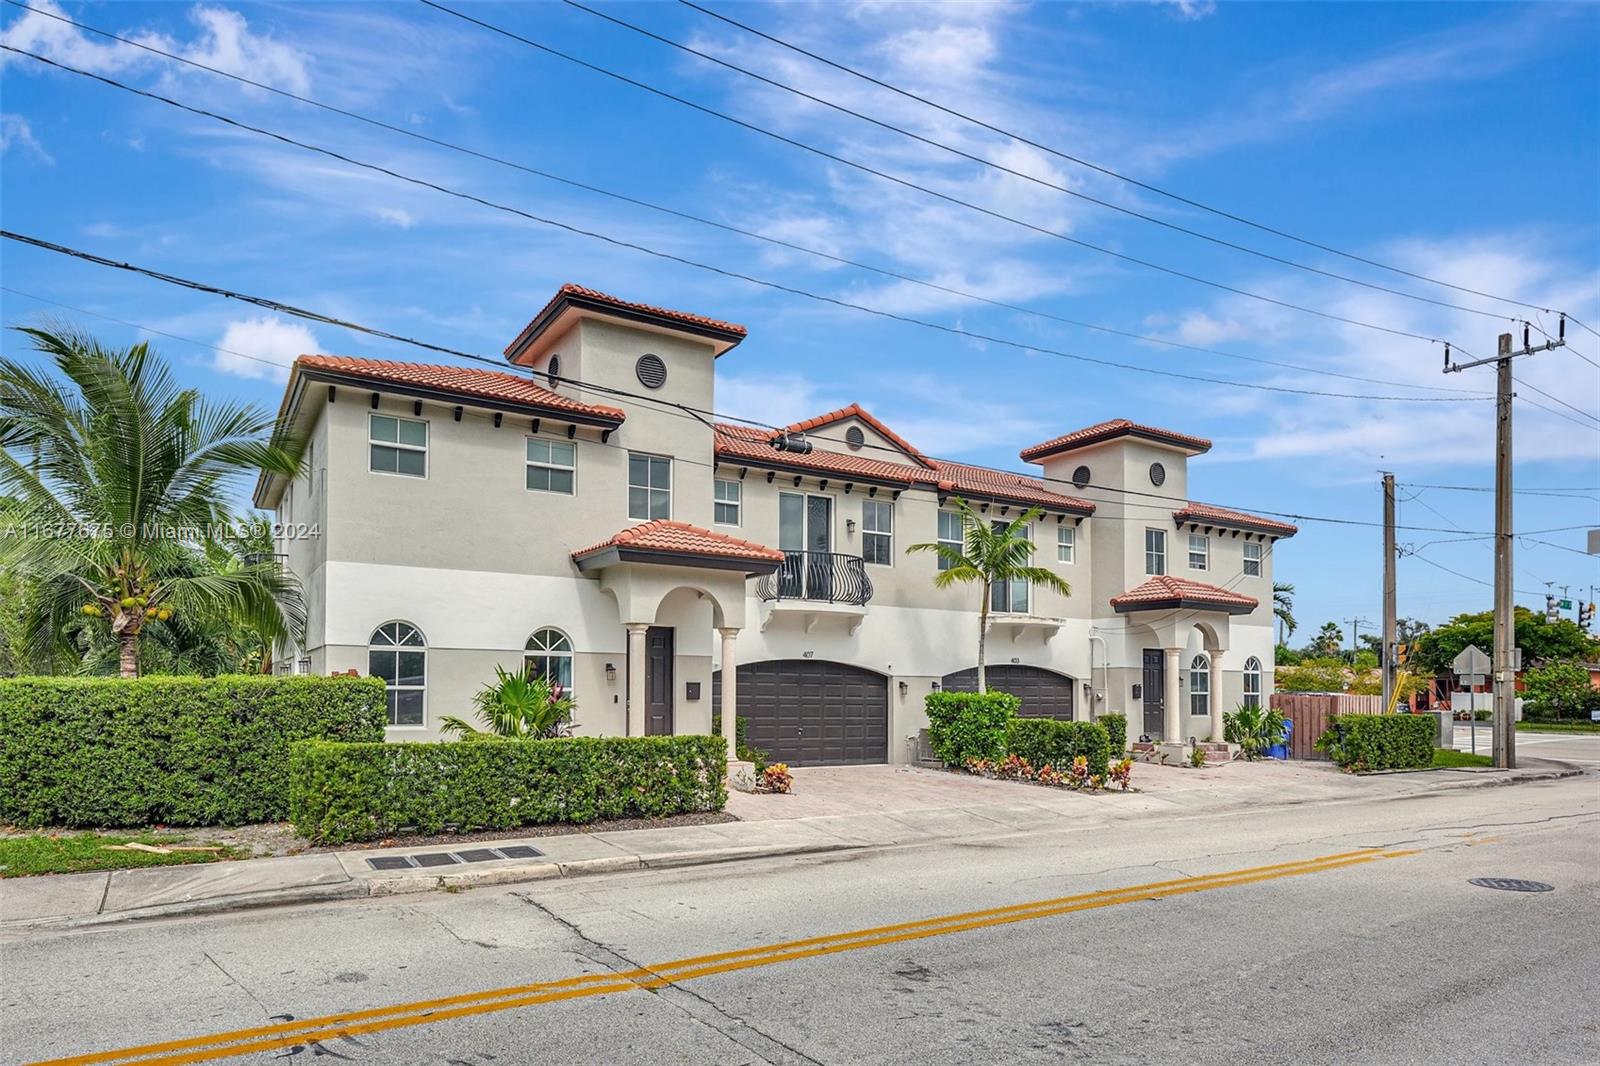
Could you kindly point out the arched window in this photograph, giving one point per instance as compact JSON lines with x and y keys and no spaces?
{"x":549,"y":655}
{"x":1252,"y":682}
{"x":1200,"y":686}
{"x":398,"y":653}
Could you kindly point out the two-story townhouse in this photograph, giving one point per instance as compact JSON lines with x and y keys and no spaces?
{"x":581,"y":514}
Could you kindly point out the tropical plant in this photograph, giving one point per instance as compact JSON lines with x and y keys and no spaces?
{"x":1283,"y":608}
{"x":1254,"y":729}
{"x":528,"y":708}
{"x":991,"y":553}
{"x":1560,"y":689}
{"x":1327,"y":644}
{"x":117,"y":478}
{"x":1540,"y":639}
{"x":1312,"y":675}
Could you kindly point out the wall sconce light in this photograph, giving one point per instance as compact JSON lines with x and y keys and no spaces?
{"x":850,"y":527}
{"x":936,"y":686}
{"x":904,"y":688}
{"x":611,"y":673}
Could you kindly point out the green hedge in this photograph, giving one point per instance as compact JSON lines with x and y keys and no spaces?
{"x":1116,"y":726}
{"x":969,"y":725}
{"x":343,"y":792}
{"x":1049,"y":742}
{"x":1380,"y":741}
{"x":167,"y":750}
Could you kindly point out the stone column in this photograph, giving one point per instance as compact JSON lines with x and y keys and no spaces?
{"x":730,"y":690}
{"x":1172,"y":714}
{"x":636,"y":677}
{"x":1216,"y":697}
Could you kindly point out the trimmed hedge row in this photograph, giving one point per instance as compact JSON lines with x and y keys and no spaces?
{"x":1050,"y":742}
{"x":1379,"y":741}
{"x":969,"y":725}
{"x":1116,"y":726}
{"x":345,"y":792}
{"x":99,"y":752}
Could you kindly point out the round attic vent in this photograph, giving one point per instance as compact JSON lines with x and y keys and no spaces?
{"x":554,"y":370}
{"x":855,"y":438}
{"x":651,"y":370}
{"x":1080,"y":477}
{"x":1158,"y":474}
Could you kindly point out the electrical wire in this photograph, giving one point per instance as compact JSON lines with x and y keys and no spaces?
{"x":1557,"y":399}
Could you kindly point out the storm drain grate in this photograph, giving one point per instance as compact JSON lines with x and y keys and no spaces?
{"x":451,"y":858}
{"x":1511,"y":884}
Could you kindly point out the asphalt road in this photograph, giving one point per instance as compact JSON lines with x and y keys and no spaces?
{"x":1580,"y":748}
{"x":1351,"y":959}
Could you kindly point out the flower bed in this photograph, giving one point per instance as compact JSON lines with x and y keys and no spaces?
{"x":1076,"y":776}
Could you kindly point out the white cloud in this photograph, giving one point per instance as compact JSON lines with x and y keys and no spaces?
{"x":396,"y":216}
{"x":1194,"y":10}
{"x":227,"y":43}
{"x":16,"y":133}
{"x":263,"y":347}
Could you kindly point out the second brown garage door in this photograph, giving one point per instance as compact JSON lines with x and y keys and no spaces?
{"x":809,"y":713}
{"x":1044,"y":693}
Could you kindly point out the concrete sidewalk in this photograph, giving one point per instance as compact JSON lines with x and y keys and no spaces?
{"x":832,"y":809}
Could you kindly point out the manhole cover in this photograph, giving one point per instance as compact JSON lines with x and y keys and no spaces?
{"x":1511,"y":884}
{"x":390,"y":862}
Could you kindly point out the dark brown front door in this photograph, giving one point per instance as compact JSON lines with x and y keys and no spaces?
{"x":1155,"y":687}
{"x":658,"y":681}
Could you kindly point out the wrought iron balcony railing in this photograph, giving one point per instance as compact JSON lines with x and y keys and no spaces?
{"x":819,"y":576}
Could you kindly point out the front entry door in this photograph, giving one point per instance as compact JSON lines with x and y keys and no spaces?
{"x":1155,"y":688}
{"x":658,"y":658}
{"x":805,"y":535}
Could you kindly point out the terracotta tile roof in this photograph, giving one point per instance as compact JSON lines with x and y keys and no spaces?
{"x":1168,"y":591}
{"x":681,"y":538}
{"x":1104,"y":431}
{"x":491,"y":385}
{"x":570,"y":292}
{"x":982,"y":481}
{"x":855,"y":410}
{"x":1222,"y":516}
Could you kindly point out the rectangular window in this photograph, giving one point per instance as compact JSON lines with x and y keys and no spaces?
{"x":951,"y":535}
{"x":1155,"y":551}
{"x":552,"y":465}
{"x":399,"y":445}
{"x":877,"y":532}
{"x":1252,"y":558}
{"x":729,"y":499}
{"x":649,"y":487}
{"x":1199,"y":551}
{"x":1066,"y":543}
{"x":1012,"y":595}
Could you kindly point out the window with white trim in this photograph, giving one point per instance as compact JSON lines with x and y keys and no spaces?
{"x":552,"y":465}
{"x":1066,"y":543}
{"x":1252,"y":682}
{"x":951,"y":535}
{"x":1155,"y":551}
{"x":1252,"y":558}
{"x":1199,"y":551}
{"x":649,"y":486}
{"x":877,"y":532}
{"x":398,"y":653}
{"x":398,"y":445}
{"x":1012,"y":595}
{"x":729,"y":501}
{"x":548,"y":654}
{"x":1200,"y":686}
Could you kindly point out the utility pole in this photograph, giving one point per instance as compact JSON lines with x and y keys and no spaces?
{"x":1388,"y":663}
{"x":1355,"y":625}
{"x":1505,"y":628}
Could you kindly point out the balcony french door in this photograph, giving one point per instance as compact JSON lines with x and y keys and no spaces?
{"x":805,"y":532}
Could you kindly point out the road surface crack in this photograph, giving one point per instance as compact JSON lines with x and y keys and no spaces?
{"x":237,"y":984}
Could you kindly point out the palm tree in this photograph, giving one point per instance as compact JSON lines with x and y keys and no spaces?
{"x":1283,"y":607}
{"x":991,"y":553}
{"x":516,"y":705}
{"x":119,"y":481}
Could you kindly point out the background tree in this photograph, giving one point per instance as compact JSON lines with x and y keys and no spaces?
{"x":991,"y":553}
{"x":1283,"y":609}
{"x":1327,"y":644}
{"x":117,"y":479}
{"x":1559,"y":689}
{"x":1540,"y":640}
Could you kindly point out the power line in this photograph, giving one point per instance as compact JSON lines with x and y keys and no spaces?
{"x":726,"y":227}
{"x":1557,"y":399}
{"x":1148,"y":187}
{"x":1559,"y":493}
{"x":907,"y":183}
{"x":721,"y":271}
{"x":1024,"y":175}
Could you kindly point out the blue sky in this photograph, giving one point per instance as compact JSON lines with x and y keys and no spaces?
{"x":1457,"y":141}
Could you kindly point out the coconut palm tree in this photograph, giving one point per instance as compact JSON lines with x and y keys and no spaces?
{"x":118,"y":481}
{"x":1283,"y":608}
{"x":991,"y":553}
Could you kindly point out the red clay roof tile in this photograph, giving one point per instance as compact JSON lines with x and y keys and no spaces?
{"x":1168,"y":591}
{"x":491,"y":385}
{"x":568,"y":291}
{"x":855,"y":410}
{"x":1222,"y":516}
{"x":681,"y":538}
{"x":1104,"y":431}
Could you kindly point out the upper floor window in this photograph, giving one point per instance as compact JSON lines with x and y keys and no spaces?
{"x":1155,"y":551}
{"x":1252,"y":558}
{"x":951,"y":535}
{"x":649,"y":486}
{"x":1199,"y":551}
{"x":549,"y":655}
{"x":399,"y":445}
{"x":1200,"y":685}
{"x":877,"y":532}
{"x":1066,"y":543}
{"x":1010,"y":595}
{"x":398,"y":653}
{"x":552,"y":465}
{"x":1252,"y":682}
{"x":729,"y":501}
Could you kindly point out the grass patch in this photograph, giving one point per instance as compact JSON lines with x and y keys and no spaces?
{"x":1449,"y":759}
{"x":1558,"y":727}
{"x":70,"y":853}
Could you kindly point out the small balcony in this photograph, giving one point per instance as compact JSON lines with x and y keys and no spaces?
{"x":815,"y":586}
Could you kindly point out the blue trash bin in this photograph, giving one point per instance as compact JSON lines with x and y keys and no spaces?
{"x":1281,"y":751}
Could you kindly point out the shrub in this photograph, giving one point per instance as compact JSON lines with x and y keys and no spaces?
{"x":969,"y":725}
{"x":1254,"y":729}
{"x":99,"y":752}
{"x":1116,"y":727}
{"x":1312,"y":675}
{"x":342,"y":792}
{"x":1559,"y":689}
{"x":1379,"y":741}
{"x":1049,"y":742}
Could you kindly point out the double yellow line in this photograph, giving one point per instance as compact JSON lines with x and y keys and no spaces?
{"x":424,"y":1012}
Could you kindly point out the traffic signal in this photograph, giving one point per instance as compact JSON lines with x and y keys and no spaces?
{"x":1402,"y":652}
{"x":1585,"y":614}
{"x":1551,"y":611}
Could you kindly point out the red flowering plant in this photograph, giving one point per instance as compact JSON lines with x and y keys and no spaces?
{"x":775,"y":778}
{"x":1122,"y":774}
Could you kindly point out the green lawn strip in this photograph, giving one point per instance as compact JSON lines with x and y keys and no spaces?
{"x":1559,"y":727}
{"x":67,"y":853}
{"x":1448,"y":759}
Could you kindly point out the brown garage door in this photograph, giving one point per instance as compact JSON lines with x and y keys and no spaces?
{"x":1044,"y":693}
{"x":810,"y":713}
